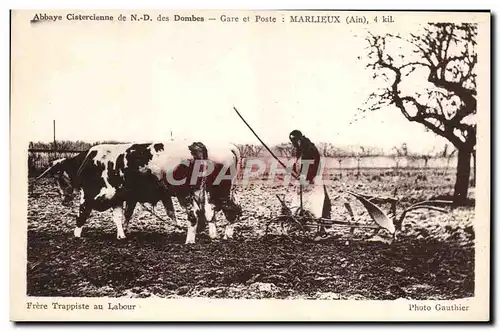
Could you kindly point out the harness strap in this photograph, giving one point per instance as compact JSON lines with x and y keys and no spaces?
{"x":160,"y":218}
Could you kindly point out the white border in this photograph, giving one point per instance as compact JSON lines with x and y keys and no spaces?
{"x":191,"y":4}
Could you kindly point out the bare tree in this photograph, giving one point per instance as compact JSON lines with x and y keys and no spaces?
{"x":448,"y":159}
{"x":444,"y":153}
{"x":443,"y":58}
{"x":255,"y":150}
{"x":285,"y":150}
{"x":241,"y":149}
{"x":249,"y":150}
{"x":426,"y":158}
{"x":397,"y":158}
{"x":474,"y":167}
{"x":404,"y":149}
{"x":358,"y":160}
{"x":326,"y":149}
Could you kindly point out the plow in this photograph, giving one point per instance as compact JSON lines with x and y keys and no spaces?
{"x":302,"y":224}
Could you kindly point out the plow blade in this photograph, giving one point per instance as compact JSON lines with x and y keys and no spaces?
{"x":377,"y":214}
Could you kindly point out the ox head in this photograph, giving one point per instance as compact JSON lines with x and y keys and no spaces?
{"x":198,"y":151}
{"x":58,"y":170}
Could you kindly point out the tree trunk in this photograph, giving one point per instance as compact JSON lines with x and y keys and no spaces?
{"x":474,"y":168}
{"x":463,"y":175}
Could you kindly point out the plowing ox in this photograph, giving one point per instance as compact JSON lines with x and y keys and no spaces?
{"x":118,"y":176}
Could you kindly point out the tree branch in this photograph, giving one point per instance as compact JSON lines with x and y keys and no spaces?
{"x":434,"y":46}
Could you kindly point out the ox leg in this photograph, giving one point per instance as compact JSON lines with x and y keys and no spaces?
{"x":210,"y":215}
{"x":127,"y":213}
{"x":232,"y":212}
{"x":169,"y":208}
{"x":83,"y":214}
{"x":192,"y":211}
{"x":118,"y":219}
{"x":192,"y":226}
{"x":228,"y":233}
{"x":212,"y":228}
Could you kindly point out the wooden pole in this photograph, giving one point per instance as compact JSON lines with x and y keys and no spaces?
{"x":295,"y":175}
{"x":54,"y":132}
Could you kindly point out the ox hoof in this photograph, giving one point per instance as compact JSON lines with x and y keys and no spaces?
{"x":212,"y":231}
{"x":228,"y":234}
{"x":120,"y":236}
{"x":77,"y":232}
{"x":227,"y":237}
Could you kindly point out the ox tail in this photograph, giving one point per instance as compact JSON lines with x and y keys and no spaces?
{"x":237,"y":162}
{"x":237,"y":165}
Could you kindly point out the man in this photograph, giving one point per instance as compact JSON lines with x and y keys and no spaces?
{"x":307,"y":156}
{"x":315,"y":201}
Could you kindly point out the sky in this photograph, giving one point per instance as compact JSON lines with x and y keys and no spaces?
{"x":140,"y":81}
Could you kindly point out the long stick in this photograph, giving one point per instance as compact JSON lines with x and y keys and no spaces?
{"x":301,"y":203}
{"x":54,"y":134}
{"x":268,"y":149}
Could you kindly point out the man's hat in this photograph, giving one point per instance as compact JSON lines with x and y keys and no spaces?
{"x":295,"y":134}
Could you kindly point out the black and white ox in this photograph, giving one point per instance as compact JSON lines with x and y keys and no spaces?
{"x":118,"y":176}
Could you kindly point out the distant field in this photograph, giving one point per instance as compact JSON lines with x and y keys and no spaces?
{"x":38,"y":161}
{"x":380,"y":162}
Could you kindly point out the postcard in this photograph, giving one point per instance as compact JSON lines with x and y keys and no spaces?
{"x":229,"y":165}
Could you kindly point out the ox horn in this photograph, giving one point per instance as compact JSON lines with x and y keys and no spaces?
{"x":54,"y":163}
{"x":44,"y":173}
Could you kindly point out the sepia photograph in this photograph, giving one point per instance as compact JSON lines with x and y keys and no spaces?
{"x":250,"y":160}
